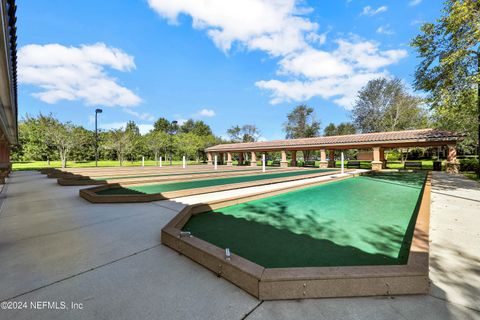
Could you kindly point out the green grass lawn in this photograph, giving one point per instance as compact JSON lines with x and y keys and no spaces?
{"x":35,"y":165}
{"x":472,"y":175}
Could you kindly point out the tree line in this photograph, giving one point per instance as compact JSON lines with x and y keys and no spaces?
{"x":46,"y":138}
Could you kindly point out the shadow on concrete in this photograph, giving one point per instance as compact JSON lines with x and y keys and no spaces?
{"x":462,"y":280}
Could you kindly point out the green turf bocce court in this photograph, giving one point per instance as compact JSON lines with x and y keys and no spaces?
{"x":366,"y":220}
{"x":184,"y":185}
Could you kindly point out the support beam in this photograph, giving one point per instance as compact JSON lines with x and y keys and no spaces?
{"x":229,"y":158}
{"x":331,"y":159}
{"x":284,"y":162}
{"x":253,"y":161}
{"x":323,"y":159}
{"x":453,"y":165}
{"x":293,"y":163}
{"x":377,"y":163}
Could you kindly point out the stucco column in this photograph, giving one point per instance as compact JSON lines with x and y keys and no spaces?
{"x":253,"y":161}
{"x":323,"y":159}
{"x":284,"y":162}
{"x":229,"y":158}
{"x":377,"y":163}
{"x":331,"y":159}
{"x":209,"y":158}
{"x":453,"y":165}
{"x":240,"y":158}
{"x":293,"y":163}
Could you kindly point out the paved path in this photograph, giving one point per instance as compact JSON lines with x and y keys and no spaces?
{"x":55,"y":246}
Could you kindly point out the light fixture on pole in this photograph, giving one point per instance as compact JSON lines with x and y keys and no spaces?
{"x":97,"y":111}
{"x":172,"y":127}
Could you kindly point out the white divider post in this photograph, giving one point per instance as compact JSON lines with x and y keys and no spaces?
{"x":215,"y":162}
{"x":143,"y":161}
{"x":160,"y":163}
{"x":184,"y":163}
{"x":263,"y":162}
{"x":342,"y":163}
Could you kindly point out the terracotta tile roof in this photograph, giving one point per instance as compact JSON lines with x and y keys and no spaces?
{"x":407,"y":136}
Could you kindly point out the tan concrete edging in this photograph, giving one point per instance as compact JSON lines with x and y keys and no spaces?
{"x":91,"y":194}
{"x":146,"y":180}
{"x":310,"y":282}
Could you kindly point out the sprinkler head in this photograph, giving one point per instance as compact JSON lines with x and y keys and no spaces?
{"x":184,"y":234}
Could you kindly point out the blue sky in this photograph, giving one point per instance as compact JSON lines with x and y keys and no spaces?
{"x":223,"y":62}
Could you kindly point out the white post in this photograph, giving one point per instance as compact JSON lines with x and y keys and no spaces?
{"x":160,"y":163}
{"x":263,"y":162}
{"x":215,"y":162}
{"x":184,"y":163}
{"x":342,"y":163}
{"x":143,"y":161}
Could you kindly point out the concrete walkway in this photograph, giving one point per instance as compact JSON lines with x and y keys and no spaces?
{"x":57,"y":247}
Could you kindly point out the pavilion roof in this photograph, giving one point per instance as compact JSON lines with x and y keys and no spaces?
{"x":412,"y":138}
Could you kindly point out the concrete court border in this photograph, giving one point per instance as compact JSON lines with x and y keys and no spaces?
{"x":172,"y":176}
{"x":309,"y":282}
{"x":91,"y":194}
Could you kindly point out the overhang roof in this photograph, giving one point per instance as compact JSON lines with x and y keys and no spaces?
{"x":8,"y":72}
{"x":407,"y":138}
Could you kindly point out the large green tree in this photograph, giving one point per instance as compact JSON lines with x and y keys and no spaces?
{"x":162,"y":125}
{"x":246,"y":133}
{"x":120,"y":141}
{"x":340,"y":129}
{"x":157,"y":142}
{"x":64,"y":137}
{"x":301,"y":123}
{"x":32,"y":137}
{"x":197,"y":127}
{"x":385,"y":105}
{"x":449,"y":70}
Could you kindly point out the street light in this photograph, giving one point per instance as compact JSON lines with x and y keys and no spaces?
{"x":172,"y":126}
{"x":97,"y":111}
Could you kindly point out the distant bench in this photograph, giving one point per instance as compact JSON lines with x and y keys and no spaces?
{"x":353,"y":164}
{"x":413,"y":165}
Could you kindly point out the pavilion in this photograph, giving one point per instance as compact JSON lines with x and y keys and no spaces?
{"x":376,"y":141}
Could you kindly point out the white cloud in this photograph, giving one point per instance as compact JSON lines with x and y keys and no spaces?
{"x":314,"y":63}
{"x":385,"y":30}
{"x":276,"y":27}
{"x":413,"y":3}
{"x":369,"y":11}
{"x":206,"y":113}
{"x":342,"y":90}
{"x":142,"y":127}
{"x":76,"y":73}
{"x":282,"y":29}
{"x":141,"y":115}
{"x":336,"y":75}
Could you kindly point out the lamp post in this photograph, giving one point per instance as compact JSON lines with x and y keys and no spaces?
{"x":172,"y":127}
{"x":97,"y":111}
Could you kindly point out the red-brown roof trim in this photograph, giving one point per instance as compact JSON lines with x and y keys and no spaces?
{"x":421,"y":137}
